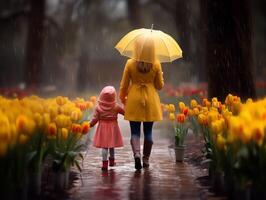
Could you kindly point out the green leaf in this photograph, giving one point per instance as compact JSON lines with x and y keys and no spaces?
{"x":31,"y":156}
{"x":78,"y":166}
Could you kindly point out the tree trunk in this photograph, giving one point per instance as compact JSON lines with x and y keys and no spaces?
{"x":35,"y":39}
{"x":228,"y":48}
{"x":134,"y":13}
{"x":182,"y":24}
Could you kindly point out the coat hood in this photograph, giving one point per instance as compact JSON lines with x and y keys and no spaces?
{"x":107,"y":98}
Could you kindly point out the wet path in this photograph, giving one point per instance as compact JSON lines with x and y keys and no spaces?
{"x":165,"y":179}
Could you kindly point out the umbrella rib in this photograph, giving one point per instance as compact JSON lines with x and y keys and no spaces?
{"x":166,"y":48}
{"x":130,"y":42}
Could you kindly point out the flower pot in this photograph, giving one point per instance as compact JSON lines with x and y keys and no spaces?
{"x":180,"y":153}
{"x":61,"y":180}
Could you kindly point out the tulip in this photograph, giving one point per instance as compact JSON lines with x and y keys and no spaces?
{"x":85,"y":127}
{"x":52,"y":129}
{"x":220,"y":142}
{"x":193,"y":103}
{"x":181,"y":105}
{"x":23,"y":139}
{"x":180,"y":118}
{"x":185,"y":111}
{"x":196,"y":111}
{"x":257,"y":132}
{"x":202,"y":119}
{"x":76,"y":115}
{"x":171,"y":108}
{"x":93,"y":99}
{"x":61,"y":100}
{"x":171,"y":116}
{"x":64,"y":133}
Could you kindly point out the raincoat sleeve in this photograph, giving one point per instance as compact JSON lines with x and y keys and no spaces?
{"x":158,"y":81}
{"x":95,"y":118}
{"x":124,"y":84}
{"x":120,"y":110}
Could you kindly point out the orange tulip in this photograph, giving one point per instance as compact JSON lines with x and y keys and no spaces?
{"x":52,"y":129}
{"x":180,"y":118}
{"x":85,"y":127}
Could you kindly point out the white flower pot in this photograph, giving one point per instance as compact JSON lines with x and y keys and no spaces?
{"x":180,"y":153}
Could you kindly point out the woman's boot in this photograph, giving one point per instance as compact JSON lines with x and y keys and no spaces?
{"x":135,"y":144}
{"x":146,"y":153}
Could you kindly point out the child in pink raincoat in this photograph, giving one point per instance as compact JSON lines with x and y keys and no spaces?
{"x":108,"y":135}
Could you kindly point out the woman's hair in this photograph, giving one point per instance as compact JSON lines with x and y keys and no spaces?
{"x":144,"y":67}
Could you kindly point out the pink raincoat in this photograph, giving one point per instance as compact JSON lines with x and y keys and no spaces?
{"x":108,"y":134}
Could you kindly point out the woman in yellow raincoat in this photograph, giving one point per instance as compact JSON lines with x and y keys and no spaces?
{"x":141,"y":80}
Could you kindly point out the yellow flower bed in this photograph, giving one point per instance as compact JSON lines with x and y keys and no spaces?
{"x":20,"y":119}
{"x":234,"y":134}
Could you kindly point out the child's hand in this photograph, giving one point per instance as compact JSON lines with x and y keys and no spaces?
{"x":91,"y":125}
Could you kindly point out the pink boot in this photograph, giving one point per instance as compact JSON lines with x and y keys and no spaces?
{"x":105,"y":165}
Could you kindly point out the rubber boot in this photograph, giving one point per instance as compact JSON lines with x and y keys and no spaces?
{"x":105,"y":165}
{"x":135,"y":144}
{"x":146,"y":153}
{"x":111,"y":162}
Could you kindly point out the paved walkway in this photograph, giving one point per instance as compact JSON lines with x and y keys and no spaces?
{"x":165,"y":179}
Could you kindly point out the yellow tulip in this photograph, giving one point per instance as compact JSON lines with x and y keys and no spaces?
{"x":249,"y":100}
{"x":196,"y":111}
{"x":4,"y":128}
{"x":64,"y":133}
{"x":202,"y":119}
{"x":172,"y":116}
{"x":46,"y":119}
{"x":214,"y":99}
{"x":212,"y":116}
{"x":38,"y":118}
{"x":23,"y":139}
{"x":93,"y":99}
{"x":193,"y":103}
{"x":221,"y":142}
{"x":257,"y":131}
{"x":60,"y":100}
{"x":62,"y":121}
{"x":181,"y":106}
{"x":76,"y":115}
{"x":171,"y":108}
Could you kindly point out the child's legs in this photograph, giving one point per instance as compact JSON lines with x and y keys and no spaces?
{"x":105,"y":153}
{"x":112,"y":152}
{"x":135,"y":129}
{"x":147,"y":129}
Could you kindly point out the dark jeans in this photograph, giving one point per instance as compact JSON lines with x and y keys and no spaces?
{"x":147,"y":129}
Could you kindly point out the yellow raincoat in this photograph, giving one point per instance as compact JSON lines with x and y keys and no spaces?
{"x":138,"y":91}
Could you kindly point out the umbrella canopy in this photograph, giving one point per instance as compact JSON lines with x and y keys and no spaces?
{"x":148,"y":45}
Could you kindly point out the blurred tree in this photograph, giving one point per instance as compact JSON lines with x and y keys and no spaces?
{"x":134,"y":13}
{"x":84,"y":58}
{"x":183,"y":27}
{"x":35,"y":39}
{"x":228,"y":48}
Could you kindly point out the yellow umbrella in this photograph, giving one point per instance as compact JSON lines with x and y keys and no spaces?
{"x":148,"y":45}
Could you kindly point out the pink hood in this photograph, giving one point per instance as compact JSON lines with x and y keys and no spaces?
{"x":107,"y":98}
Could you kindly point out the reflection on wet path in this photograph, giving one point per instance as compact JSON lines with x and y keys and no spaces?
{"x":163,"y":180}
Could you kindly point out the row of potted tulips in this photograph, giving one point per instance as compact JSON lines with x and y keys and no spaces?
{"x":33,"y":129}
{"x":235,"y":142}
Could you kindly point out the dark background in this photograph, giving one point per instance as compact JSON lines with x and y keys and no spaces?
{"x":67,"y":46}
